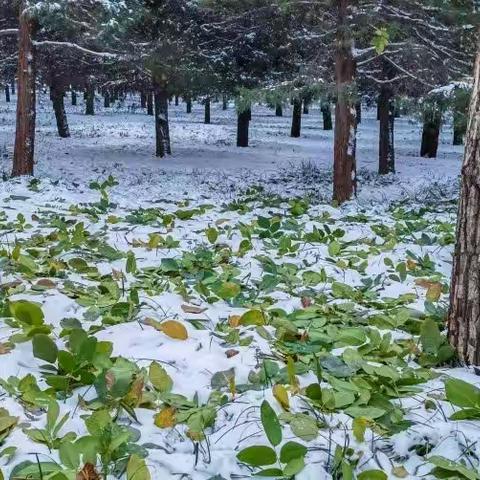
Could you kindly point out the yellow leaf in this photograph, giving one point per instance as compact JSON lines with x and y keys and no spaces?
{"x":359,"y":427}
{"x":400,"y":472}
{"x":411,"y":264}
{"x":166,"y":418}
{"x":434,"y":291}
{"x":234,"y":320}
{"x":281,"y":395}
{"x":174,"y":329}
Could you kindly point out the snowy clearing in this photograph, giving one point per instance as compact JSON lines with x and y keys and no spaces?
{"x":182,"y":293}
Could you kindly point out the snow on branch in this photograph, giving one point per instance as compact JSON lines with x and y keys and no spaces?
{"x":8,"y":31}
{"x":75,"y":46}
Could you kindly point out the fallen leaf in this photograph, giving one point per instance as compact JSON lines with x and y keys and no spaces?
{"x":5,"y":348}
{"x":46,"y":283}
{"x":174,"y":329}
{"x":165,"y":418}
{"x":281,"y":395}
{"x":193,"y":309}
{"x":306,"y":302}
{"x":231,"y":353}
{"x":400,"y":471}
{"x":88,"y":472}
{"x":234,"y":320}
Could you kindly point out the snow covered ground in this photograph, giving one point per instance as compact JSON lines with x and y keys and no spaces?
{"x":223,"y":279}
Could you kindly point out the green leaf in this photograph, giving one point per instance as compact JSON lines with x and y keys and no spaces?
{"x":368,"y":412}
{"x":334,"y":248}
{"x":292,"y":450}
{"x":372,"y":475}
{"x":451,"y":466}
{"x":137,"y":468}
{"x":430,"y":337}
{"x":27,"y":312}
{"x":131,"y":265}
{"x":69,"y":455}
{"x":228,"y":290}
{"x":212,"y":234}
{"x":160,"y":378}
{"x":462,"y":394}
{"x":269,"y":472}
{"x":270,"y":423}
{"x":52,"y":414}
{"x":294,"y":466}
{"x":305,"y":427}
{"x":253,"y":317}
{"x":257,"y":456}
{"x":44,"y":348}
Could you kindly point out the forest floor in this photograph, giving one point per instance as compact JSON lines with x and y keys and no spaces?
{"x":228,"y":317}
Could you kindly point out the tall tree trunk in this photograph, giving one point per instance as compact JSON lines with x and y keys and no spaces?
{"x":176,"y":100}
{"x":279,"y":110}
{"x":458,"y":128}
{"x":106,"y":99}
{"x":26,"y":108}
{"x":150,"y":103}
{"x":358,"y":110}
{"x":143,"y":100}
{"x":7,"y":93}
{"x":74,"y":98}
{"x":207,"y":110}
{"x":189,"y":105}
{"x":464,"y":312}
{"x":386,"y":151}
{"x":90,"y":100}
{"x":162,"y":130}
{"x":431,"y":131}
{"x":243,"y":123}
{"x":12,"y":86}
{"x":57,"y":97}
{"x":344,"y":168}
{"x":327,"y":116}
{"x":224,"y":102}
{"x":296,"y":118}
{"x":306,"y":109}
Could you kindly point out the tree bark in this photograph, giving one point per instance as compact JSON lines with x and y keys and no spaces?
{"x":143,"y":100}
{"x":344,"y":168}
{"x":327,"y":116}
{"x":207,"y":110}
{"x":243,"y":123}
{"x":106,"y":99}
{"x":162,"y":130}
{"x":224,"y":102}
{"x":464,"y":312}
{"x":90,"y":100}
{"x":296,"y":118}
{"x":57,"y":97}
{"x":26,"y":108}
{"x":189,"y":105}
{"x":306,"y":109}
{"x":431,"y":131}
{"x":12,"y":86}
{"x":458,"y":128}
{"x":74,"y":98}
{"x":150,"y":103}
{"x":279,"y":110}
{"x":386,"y":150}
{"x":358,"y":111}
{"x":176,"y":100}
{"x":7,"y":93}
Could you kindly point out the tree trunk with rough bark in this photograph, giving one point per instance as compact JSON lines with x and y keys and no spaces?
{"x":7,"y":93}
{"x":23,"y":157}
{"x":207,"y":110}
{"x":386,"y":150}
{"x":458,"y":128}
{"x":327,"y":116}
{"x":57,"y":97}
{"x":90,"y":100}
{"x":243,"y":123}
{"x":431,"y":131}
{"x":150,"y":103}
{"x":464,"y":312}
{"x":296,"y":118}
{"x":162,"y":130}
{"x":344,"y":168}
